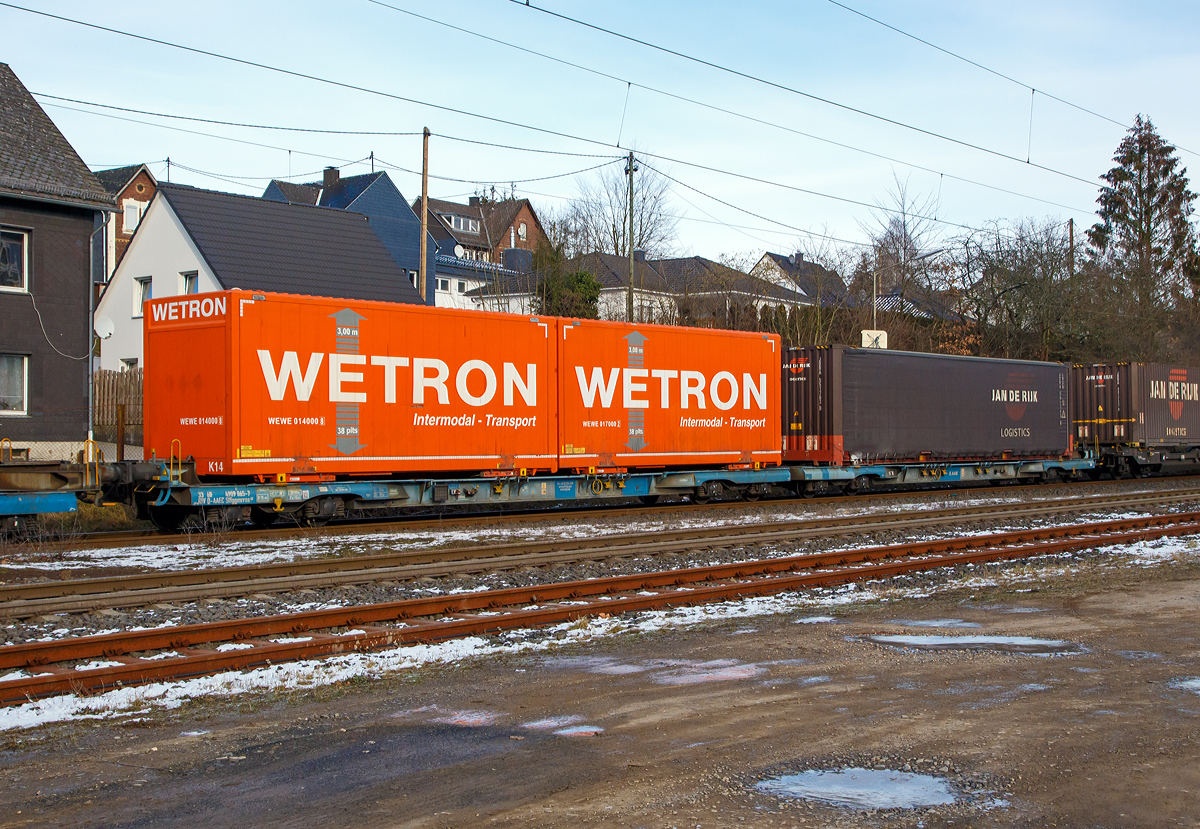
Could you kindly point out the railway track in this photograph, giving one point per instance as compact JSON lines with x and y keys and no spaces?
{"x":130,"y":538}
{"x":87,"y":595}
{"x":95,"y":663}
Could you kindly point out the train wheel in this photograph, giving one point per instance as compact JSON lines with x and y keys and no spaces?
{"x":700,"y":496}
{"x":648,"y":500}
{"x":262,"y":517}
{"x":751,"y":493}
{"x":168,"y":517}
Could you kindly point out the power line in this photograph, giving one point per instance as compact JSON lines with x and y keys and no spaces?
{"x":367,"y":90}
{"x":219,"y":122}
{"x":302,"y":75}
{"x":988,"y":69}
{"x":733,"y":113}
{"x":196,"y":132}
{"x":383,"y":163}
{"x":801,"y":93}
{"x":758,"y":215}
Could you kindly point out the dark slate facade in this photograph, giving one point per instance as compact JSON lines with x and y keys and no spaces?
{"x":51,"y":207}
{"x":265,"y":245}
{"x":376,"y":196}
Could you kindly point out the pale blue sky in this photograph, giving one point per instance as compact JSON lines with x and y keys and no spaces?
{"x":1117,"y":58}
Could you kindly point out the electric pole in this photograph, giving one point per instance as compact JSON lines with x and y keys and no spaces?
{"x":424,"y":210}
{"x":1071,"y":250}
{"x":630,"y":169}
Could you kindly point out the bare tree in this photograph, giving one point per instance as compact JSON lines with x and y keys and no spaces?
{"x":598,"y":220}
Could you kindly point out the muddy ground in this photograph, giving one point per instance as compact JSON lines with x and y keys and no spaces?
{"x":676,"y":729}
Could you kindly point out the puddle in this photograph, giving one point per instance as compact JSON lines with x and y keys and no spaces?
{"x":745,"y":630}
{"x":1139,"y":654}
{"x":717,"y":671}
{"x":863,"y":788}
{"x":817,"y":620}
{"x":470,"y":719}
{"x":550,"y":723}
{"x":1003,"y":644}
{"x":934,"y":623}
{"x":580,"y":731}
{"x":815,"y":680}
{"x":1190,"y":684}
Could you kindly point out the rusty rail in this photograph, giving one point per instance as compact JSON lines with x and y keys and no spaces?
{"x":45,"y":666}
{"x":84,"y":595}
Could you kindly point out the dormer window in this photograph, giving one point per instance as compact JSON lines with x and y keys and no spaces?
{"x":464,"y":223}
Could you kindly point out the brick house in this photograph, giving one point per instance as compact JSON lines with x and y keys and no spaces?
{"x":482,"y":236}
{"x":52,"y":214}
{"x":133,"y":187}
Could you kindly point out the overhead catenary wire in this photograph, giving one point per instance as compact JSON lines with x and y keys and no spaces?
{"x":723,"y":110}
{"x":989,"y":69}
{"x":801,"y":93}
{"x":467,"y":113}
{"x":383,"y":163}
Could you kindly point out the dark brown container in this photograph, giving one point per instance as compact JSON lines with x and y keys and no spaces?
{"x":845,"y":405}
{"x":1135,"y":404}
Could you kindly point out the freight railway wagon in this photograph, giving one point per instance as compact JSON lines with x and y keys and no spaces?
{"x":271,"y":401}
{"x":894,"y":416}
{"x":1137,"y":418}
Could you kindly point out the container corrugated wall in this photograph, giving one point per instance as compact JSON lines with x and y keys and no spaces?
{"x":1105,"y":404}
{"x":811,"y":411}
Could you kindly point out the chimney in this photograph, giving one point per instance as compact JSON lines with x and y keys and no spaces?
{"x":639,"y":256}
{"x":473,"y":201}
{"x":332,"y":174}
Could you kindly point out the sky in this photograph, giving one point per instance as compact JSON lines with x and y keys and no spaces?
{"x":756,"y":160}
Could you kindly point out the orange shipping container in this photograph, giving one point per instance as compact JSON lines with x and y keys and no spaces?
{"x":257,"y":385}
{"x":651,"y":396}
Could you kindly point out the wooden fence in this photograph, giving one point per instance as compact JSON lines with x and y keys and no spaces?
{"x":118,"y":397}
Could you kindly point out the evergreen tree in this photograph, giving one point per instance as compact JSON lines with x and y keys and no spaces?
{"x":1145,"y":237}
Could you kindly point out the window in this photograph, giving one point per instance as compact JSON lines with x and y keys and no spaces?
{"x":14,"y":380}
{"x":129,"y":363}
{"x":133,"y":215}
{"x":14,"y":260}
{"x":462,"y":287}
{"x":443,"y":284}
{"x":522,"y":231}
{"x":143,"y":289}
{"x":463,"y":223}
{"x":190,"y":282}
{"x":412,"y":277}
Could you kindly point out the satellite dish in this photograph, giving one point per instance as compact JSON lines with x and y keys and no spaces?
{"x":459,"y":251}
{"x":104,"y":327}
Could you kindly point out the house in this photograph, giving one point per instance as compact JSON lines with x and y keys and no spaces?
{"x":653,"y":300}
{"x":52,"y":212}
{"x":132,"y":187}
{"x":481,"y":231}
{"x":811,"y":281}
{"x":711,"y":294}
{"x":376,"y":196}
{"x":195,"y":241}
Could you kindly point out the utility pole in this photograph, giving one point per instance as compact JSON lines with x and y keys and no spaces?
{"x":1071,"y":249}
{"x":630,"y":169}
{"x":424,"y":210}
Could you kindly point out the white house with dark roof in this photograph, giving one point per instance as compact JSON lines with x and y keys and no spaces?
{"x":196,"y":241}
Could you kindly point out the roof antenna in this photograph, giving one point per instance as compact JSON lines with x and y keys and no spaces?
{"x":372,"y":162}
